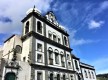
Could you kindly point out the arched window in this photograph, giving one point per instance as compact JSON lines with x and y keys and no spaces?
{"x":56,"y":51}
{"x":51,"y":76}
{"x":50,"y":52}
{"x":89,"y":74}
{"x":49,"y":34}
{"x":59,"y":41}
{"x":56,"y":56}
{"x":76,"y":64}
{"x":39,"y":27}
{"x":85,"y":74}
{"x":54,"y":37}
{"x":10,"y":76}
{"x":93,"y":75}
{"x":58,"y":76}
{"x":71,"y":77}
{"x":64,"y":77}
{"x":27,"y":27}
{"x":62,"y":59}
{"x":79,"y":78}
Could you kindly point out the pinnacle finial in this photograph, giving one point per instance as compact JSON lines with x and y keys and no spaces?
{"x":34,"y":8}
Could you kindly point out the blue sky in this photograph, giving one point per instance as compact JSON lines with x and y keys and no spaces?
{"x":85,"y":20}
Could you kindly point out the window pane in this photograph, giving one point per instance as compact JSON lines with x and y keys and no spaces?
{"x":58,"y":40}
{"x":39,"y":58}
{"x":27,"y":28}
{"x":39,"y":47}
{"x":63,"y":77}
{"x":51,"y":76}
{"x":76,"y":64}
{"x":56,"y":58}
{"x":58,"y":77}
{"x":65,"y":40}
{"x":39,"y":76}
{"x":54,"y":38}
{"x":50,"y":36}
{"x":39,"y":27}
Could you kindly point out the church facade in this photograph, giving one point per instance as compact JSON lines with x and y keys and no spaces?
{"x":42,"y":52}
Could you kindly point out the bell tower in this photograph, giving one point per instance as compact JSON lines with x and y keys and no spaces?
{"x":29,"y":27}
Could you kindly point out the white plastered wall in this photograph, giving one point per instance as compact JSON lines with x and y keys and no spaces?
{"x":26,"y":49}
{"x":10,"y":45}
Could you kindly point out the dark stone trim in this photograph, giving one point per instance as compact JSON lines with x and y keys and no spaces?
{"x":66,"y":59}
{"x":33,"y":49}
{"x":46,"y":74}
{"x":46,"y":21}
{"x":47,"y":40}
{"x":68,"y":41}
{"x":44,"y":29}
{"x":45,"y":54}
{"x":9,"y":38}
{"x":74,"y":57}
{"x":45,"y":45}
{"x":52,"y":68}
{"x":11,"y":67}
{"x":87,"y":64}
{"x":86,"y":67}
{"x":33,"y":23}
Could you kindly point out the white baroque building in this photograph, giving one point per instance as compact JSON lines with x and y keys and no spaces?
{"x":42,"y":52}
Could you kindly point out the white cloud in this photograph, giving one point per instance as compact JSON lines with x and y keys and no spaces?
{"x":94,"y":24}
{"x":81,"y":41}
{"x":16,"y":10}
{"x":100,"y":65}
{"x":104,"y":5}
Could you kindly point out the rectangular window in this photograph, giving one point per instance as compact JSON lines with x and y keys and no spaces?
{"x":69,"y":64}
{"x":71,"y":77}
{"x":76,"y":64}
{"x":65,"y":40}
{"x":39,"y":47}
{"x":68,"y":56}
{"x":39,"y":27}
{"x":56,"y":58}
{"x":54,"y":38}
{"x":39,"y":58}
{"x":39,"y":76}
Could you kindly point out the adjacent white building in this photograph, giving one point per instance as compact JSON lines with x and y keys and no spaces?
{"x":42,"y":52}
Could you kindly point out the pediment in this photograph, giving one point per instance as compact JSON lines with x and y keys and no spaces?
{"x":51,"y":17}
